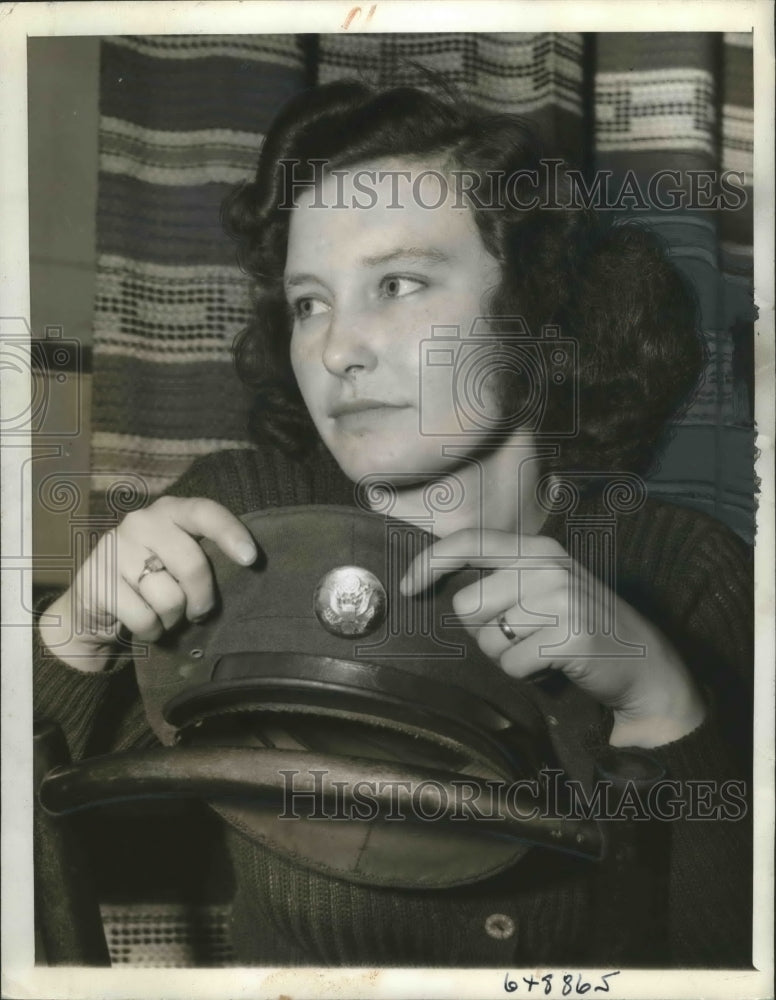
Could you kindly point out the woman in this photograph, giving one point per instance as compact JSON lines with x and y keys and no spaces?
{"x":375,"y":220}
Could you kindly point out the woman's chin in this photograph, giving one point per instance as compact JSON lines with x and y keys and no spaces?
{"x":398,"y":468}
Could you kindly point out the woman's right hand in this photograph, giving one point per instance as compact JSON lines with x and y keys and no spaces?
{"x":112,"y":590}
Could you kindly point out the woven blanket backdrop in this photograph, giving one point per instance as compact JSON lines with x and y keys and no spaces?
{"x":182,"y":118}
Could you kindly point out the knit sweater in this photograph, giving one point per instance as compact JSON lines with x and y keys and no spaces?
{"x":685,"y":572}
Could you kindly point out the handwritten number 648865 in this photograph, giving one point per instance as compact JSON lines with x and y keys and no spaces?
{"x":579,"y":988}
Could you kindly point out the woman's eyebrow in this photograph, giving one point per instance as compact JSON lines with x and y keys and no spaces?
{"x":430,"y":254}
{"x":301,"y":279}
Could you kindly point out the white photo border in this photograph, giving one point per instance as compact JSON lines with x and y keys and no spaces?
{"x":20,"y":976}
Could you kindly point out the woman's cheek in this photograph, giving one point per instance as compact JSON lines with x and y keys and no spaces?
{"x":299,"y":349}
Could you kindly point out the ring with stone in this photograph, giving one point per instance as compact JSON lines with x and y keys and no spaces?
{"x":153,"y":564}
{"x":505,"y":628}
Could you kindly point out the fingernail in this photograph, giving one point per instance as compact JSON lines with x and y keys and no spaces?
{"x":198,"y":618}
{"x":246,"y":553}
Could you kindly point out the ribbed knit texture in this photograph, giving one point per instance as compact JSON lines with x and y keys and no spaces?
{"x":686,"y":572}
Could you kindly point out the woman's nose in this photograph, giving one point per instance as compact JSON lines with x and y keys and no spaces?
{"x":349,"y":346}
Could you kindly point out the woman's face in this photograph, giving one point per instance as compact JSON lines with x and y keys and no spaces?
{"x":366,"y":286}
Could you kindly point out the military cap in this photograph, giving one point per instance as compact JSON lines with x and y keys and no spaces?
{"x":314,"y":649}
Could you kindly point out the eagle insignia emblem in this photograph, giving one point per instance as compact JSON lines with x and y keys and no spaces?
{"x":350,"y":601}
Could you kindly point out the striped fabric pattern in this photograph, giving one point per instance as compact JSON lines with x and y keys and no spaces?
{"x":538,"y":75}
{"x":737,"y":147}
{"x":660,"y":103}
{"x":170,"y":299}
{"x":182,"y":118}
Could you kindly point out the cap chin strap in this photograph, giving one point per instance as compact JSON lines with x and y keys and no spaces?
{"x":239,"y":780}
{"x":367,"y":723}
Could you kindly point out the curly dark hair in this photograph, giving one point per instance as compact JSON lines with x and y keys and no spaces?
{"x":607,"y":285}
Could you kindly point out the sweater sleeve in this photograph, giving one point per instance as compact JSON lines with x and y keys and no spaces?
{"x":710,"y":901}
{"x":710,"y":875}
{"x":715,"y":636}
{"x":94,"y":710}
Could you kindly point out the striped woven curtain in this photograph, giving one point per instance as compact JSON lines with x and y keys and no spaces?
{"x":182,"y":118}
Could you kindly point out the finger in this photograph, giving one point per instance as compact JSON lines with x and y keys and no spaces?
{"x":524,"y":660}
{"x":492,"y":639}
{"x":205,"y":518}
{"x":188,"y":565}
{"x":480,"y":550}
{"x":165,"y":598}
{"x":133,"y":612}
{"x":526,"y":592}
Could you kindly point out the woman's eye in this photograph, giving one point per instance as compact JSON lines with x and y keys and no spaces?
{"x":395,"y":287}
{"x":308,"y":306}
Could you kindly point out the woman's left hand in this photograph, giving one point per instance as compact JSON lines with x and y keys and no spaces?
{"x":564,"y":618}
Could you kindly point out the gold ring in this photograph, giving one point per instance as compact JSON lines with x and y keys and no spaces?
{"x":505,"y":628}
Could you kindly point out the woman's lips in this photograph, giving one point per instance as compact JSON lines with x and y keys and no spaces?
{"x":362,"y":406}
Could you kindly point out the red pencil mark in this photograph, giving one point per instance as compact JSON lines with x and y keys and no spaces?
{"x":354,"y":13}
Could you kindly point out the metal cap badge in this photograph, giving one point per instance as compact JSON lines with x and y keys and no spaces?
{"x":350,"y":601}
